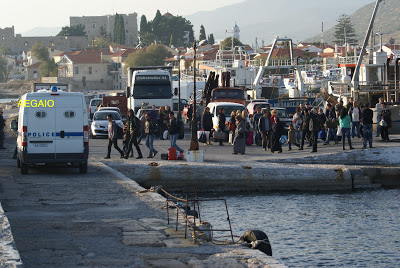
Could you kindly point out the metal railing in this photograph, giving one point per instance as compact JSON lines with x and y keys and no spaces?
{"x":191,"y":220}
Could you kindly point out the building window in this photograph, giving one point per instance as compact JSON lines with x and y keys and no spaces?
{"x":90,"y":70}
{"x":76,"y":70}
{"x":94,"y":25}
{"x":126,"y":31}
{"x":126,"y":22}
{"x":102,"y":81}
{"x":26,"y":44}
{"x":3,"y":37}
{"x":52,"y":50}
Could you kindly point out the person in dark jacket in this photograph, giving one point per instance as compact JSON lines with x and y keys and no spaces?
{"x":331,"y":124}
{"x":163,"y":117}
{"x":112,"y":137}
{"x":256,"y":118}
{"x":173,"y":131}
{"x":133,"y":127}
{"x":305,"y":128}
{"x":153,"y":113}
{"x":239,"y":143}
{"x":367,"y":120}
{"x":387,"y":122}
{"x":264,"y":126}
{"x":314,"y":128}
{"x":2,"y":125}
{"x":276,"y":133}
{"x":150,"y":130}
{"x":221,"y":123}
{"x":207,"y":123}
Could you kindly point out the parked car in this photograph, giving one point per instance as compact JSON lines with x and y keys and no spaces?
{"x":283,"y":116}
{"x":228,"y":106}
{"x":252,"y":106}
{"x":99,"y":127}
{"x":115,"y":109}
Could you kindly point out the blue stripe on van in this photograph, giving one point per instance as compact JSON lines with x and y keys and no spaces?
{"x":73,"y":134}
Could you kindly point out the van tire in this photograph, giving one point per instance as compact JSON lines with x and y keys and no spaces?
{"x":83,"y":168}
{"x":24,"y":168}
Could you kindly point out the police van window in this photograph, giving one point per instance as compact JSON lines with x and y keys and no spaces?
{"x":41,"y":114}
{"x":69,"y":114}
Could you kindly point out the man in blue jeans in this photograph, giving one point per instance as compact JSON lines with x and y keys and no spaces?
{"x":150,"y":129}
{"x":173,"y":131}
{"x":367,"y":116}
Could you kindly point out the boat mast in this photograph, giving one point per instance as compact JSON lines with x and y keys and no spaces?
{"x":355,"y":80}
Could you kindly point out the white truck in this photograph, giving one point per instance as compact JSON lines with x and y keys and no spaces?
{"x":52,"y":129}
{"x":151,"y":85}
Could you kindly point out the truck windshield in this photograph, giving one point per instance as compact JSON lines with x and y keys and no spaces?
{"x":152,"y":91}
{"x":228,"y":94}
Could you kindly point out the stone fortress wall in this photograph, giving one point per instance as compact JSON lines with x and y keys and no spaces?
{"x":19,"y":43}
{"x":93,"y":23}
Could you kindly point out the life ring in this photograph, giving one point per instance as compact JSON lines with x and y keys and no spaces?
{"x":261,"y":81}
{"x":275,"y":81}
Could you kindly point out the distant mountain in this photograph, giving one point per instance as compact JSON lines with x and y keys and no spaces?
{"x":265,"y":19}
{"x":42,"y":31}
{"x":387,"y":22}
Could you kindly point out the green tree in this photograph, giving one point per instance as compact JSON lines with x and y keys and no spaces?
{"x":4,"y":51}
{"x":344,"y":25}
{"x":211,"y":39}
{"x":48,"y":68}
{"x":154,"y":55}
{"x":101,"y":42}
{"x":40,"y":52}
{"x":119,"y":29}
{"x":202,"y":35}
{"x":144,"y":26}
{"x":3,"y":70}
{"x":77,"y":30}
{"x":227,"y":43}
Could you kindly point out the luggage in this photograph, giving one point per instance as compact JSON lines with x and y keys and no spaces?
{"x":203,"y":137}
{"x":172,"y":153}
{"x":230,"y":137}
{"x":249,"y":140}
{"x":164,"y":156}
{"x":219,"y":135}
{"x":258,"y":139}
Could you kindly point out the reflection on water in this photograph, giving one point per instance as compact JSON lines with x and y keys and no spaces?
{"x":336,"y":229}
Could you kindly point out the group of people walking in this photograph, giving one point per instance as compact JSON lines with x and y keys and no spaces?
{"x":147,"y":125}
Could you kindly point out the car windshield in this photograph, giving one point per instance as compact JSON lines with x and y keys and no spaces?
{"x":95,"y":102}
{"x":103,"y":116}
{"x":228,"y":94}
{"x":229,"y":109}
{"x":152,"y":91}
{"x":282,"y":113}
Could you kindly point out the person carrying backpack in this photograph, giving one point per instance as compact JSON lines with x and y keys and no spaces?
{"x":133,"y":128}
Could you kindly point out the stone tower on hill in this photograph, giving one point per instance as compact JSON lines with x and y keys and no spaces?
{"x":93,"y":24}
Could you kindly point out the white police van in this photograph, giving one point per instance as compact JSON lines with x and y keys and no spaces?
{"x":52,"y":129}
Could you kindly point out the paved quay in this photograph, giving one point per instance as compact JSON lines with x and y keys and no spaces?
{"x":60,"y":218}
{"x":329,"y":169}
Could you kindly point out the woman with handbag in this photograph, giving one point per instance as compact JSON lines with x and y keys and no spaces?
{"x":276,"y":133}
{"x":344,"y":122}
{"x":207,"y":124}
{"x":221,"y":123}
{"x":239,"y":143}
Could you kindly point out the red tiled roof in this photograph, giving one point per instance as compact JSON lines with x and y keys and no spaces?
{"x":88,"y":56}
{"x":123,"y":53}
{"x":34,"y":66}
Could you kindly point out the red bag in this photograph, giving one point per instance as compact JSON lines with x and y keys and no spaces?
{"x":249,"y":140}
{"x":172,"y":153}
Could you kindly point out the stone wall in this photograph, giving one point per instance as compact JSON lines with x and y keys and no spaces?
{"x":19,"y":43}
{"x":93,"y":23}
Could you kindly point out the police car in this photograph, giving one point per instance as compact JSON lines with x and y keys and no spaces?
{"x":52,"y":129}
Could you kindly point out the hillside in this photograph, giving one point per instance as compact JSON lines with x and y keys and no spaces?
{"x":266,"y":19}
{"x":387,"y":21}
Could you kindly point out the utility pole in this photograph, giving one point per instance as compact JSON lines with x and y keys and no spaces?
{"x":194,"y":143}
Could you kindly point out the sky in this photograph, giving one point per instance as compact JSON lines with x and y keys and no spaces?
{"x":28,"y":14}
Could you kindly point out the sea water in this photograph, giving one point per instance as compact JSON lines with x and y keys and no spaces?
{"x":351,"y":229}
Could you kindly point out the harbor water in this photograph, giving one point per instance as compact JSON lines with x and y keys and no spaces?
{"x":350,"y":229}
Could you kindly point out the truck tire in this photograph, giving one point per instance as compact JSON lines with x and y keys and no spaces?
{"x":24,"y":168}
{"x":83,"y":168}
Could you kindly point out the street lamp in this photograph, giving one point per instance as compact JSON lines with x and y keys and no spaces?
{"x":178,"y":58}
{"x":194,"y":143}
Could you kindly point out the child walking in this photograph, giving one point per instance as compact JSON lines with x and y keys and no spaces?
{"x":292,"y":137}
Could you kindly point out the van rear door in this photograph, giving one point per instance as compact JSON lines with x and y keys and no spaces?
{"x":69,"y":110}
{"x":40,"y":123}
